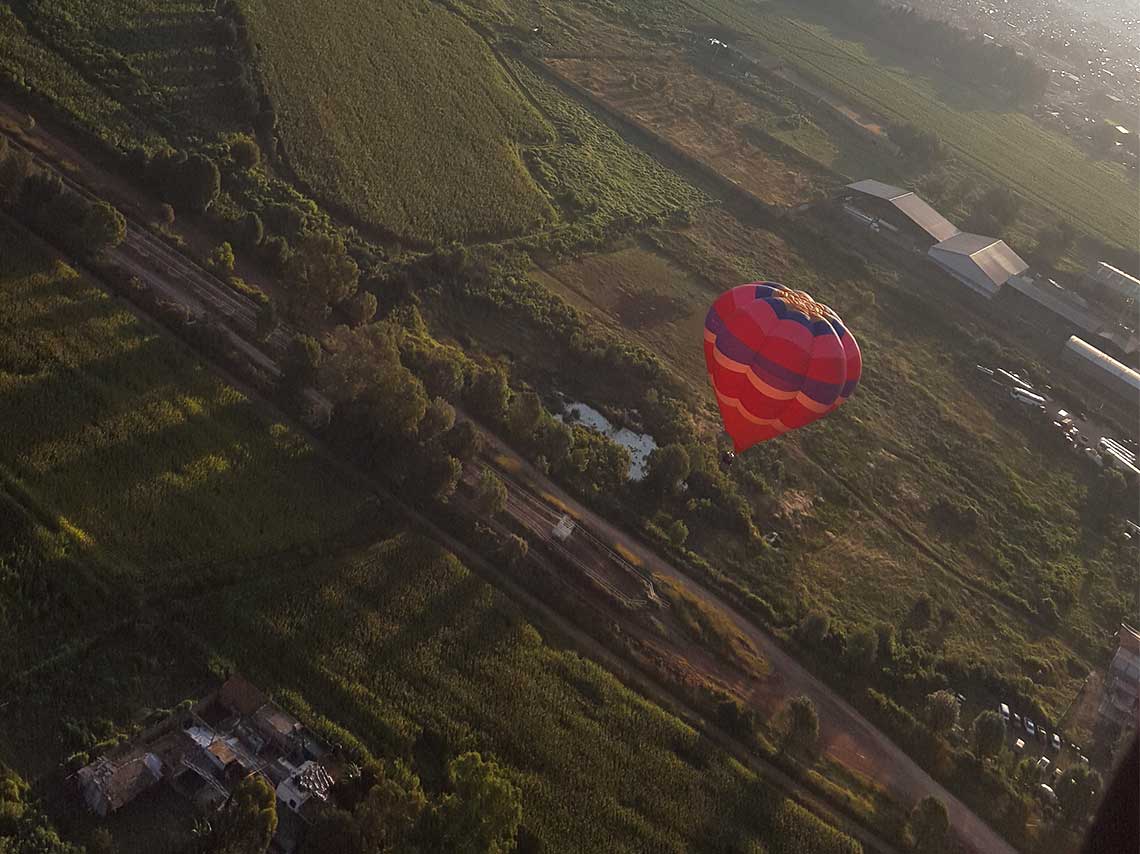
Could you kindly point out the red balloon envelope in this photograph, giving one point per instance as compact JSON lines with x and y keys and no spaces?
{"x":778,"y":360}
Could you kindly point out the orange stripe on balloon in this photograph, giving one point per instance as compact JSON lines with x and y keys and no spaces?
{"x":763,"y":387}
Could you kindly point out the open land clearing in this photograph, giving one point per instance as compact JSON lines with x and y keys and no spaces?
{"x":705,"y":119}
{"x":392,"y":640}
{"x":403,"y":115}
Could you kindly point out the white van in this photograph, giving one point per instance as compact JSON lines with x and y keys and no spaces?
{"x":1003,"y":710}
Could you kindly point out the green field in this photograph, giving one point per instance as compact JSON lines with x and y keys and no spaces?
{"x":403,"y":115}
{"x":1007,"y":146}
{"x":158,"y":529}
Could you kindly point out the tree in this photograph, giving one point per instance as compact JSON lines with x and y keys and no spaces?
{"x":489,"y":393}
{"x":439,"y":417}
{"x":249,"y":231}
{"x":361,"y":308}
{"x":483,"y":812}
{"x":363,"y":367}
{"x":390,"y":811}
{"x":941,"y":711}
{"x":862,"y":649}
{"x":523,"y":415}
{"x":335,"y":831}
{"x":1076,"y":793}
{"x":1053,"y":241}
{"x":801,"y":725}
{"x":490,"y":494}
{"x":886,"y":647}
{"x":302,"y":360}
{"x":197,"y":182}
{"x":441,"y":372}
{"x":678,"y":532}
{"x":437,"y":473}
{"x":814,"y":627}
{"x":929,"y":823}
{"x":514,"y":550}
{"x":923,"y":611}
{"x":267,"y":321}
{"x":245,"y":152}
{"x":464,"y":440}
{"x":166,"y":214}
{"x":248,"y":821}
{"x":320,"y":274}
{"x":554,"y":441}
{"x":989,"y":734}
{"x":668,"y":466}
{"x":15,"y":168}
{"x":103,"y":228}
{"x":221,"y":259}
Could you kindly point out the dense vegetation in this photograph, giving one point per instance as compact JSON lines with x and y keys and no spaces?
{"x":402,"y":115}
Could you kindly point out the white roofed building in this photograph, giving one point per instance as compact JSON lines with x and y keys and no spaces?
{"x":902,"y":210}
{"x":981,"y":263}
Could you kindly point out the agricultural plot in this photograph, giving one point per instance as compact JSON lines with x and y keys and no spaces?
{"x":1043,"y":166}
{"x":702,"y":117}
{"x":131,"y":71}
{"x":400,"y":644}
{"x":403,"y":115}
{"x":137,"y":449}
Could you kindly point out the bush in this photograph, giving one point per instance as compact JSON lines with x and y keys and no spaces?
{"x":814,"y":627}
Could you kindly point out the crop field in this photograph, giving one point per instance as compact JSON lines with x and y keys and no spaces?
{"x":1043,"y":166}
{"x":399,"y":635}
{"x":861,"y":505}
{"x":138,"y":449}
{"x":402,"y":114}
{"x":128,"y":467}
{"x":592,"y":172}
{"x":131,"y":71}
{"x":703,"y":118}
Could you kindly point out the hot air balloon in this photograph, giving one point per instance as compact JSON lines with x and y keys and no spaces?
{"x":778,"y":360}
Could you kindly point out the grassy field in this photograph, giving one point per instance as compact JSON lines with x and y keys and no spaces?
{"x":1041,"y":165}
{"x":157,"y":530}
{"x":403,"y":115}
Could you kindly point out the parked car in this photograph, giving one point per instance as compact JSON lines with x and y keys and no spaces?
{"x":1030,"y":727}
{"x":1042,"y":764}
{"x":1046,"y":793}
{"x":1055,"y":741}
{"x":1042,"y":736}
{"x":1003,"y":710}
{"x":1084,"y":760}
{"x":1016,"y":719}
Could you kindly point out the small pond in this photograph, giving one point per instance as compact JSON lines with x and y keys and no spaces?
{"x":639,"y":445}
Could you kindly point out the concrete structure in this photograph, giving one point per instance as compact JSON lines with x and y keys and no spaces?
{"x":981,"y":263}
{"x":203,"y":752}
{"x":1121,"y":700}
{"x":900,"y":210}
{"x":1096,"y":366}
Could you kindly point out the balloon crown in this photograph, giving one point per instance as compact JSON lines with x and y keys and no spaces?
{"x":804,"y":304}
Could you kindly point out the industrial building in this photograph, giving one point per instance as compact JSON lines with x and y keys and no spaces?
{"x":983,"y":264}
{"x":1122,"y":683}
{"x":1096,"y":366}
{"x":898,"y":210}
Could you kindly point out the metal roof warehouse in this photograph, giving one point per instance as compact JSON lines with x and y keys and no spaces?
{"x":909,"y":205}
{"x":982,"y":263}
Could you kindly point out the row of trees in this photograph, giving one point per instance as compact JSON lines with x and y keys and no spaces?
{"x":39,"y":198}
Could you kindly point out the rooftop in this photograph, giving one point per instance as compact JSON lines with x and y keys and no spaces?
{"x":910,"y":205}
{"x":993,"y":257}
{"x":1106,"y":363}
